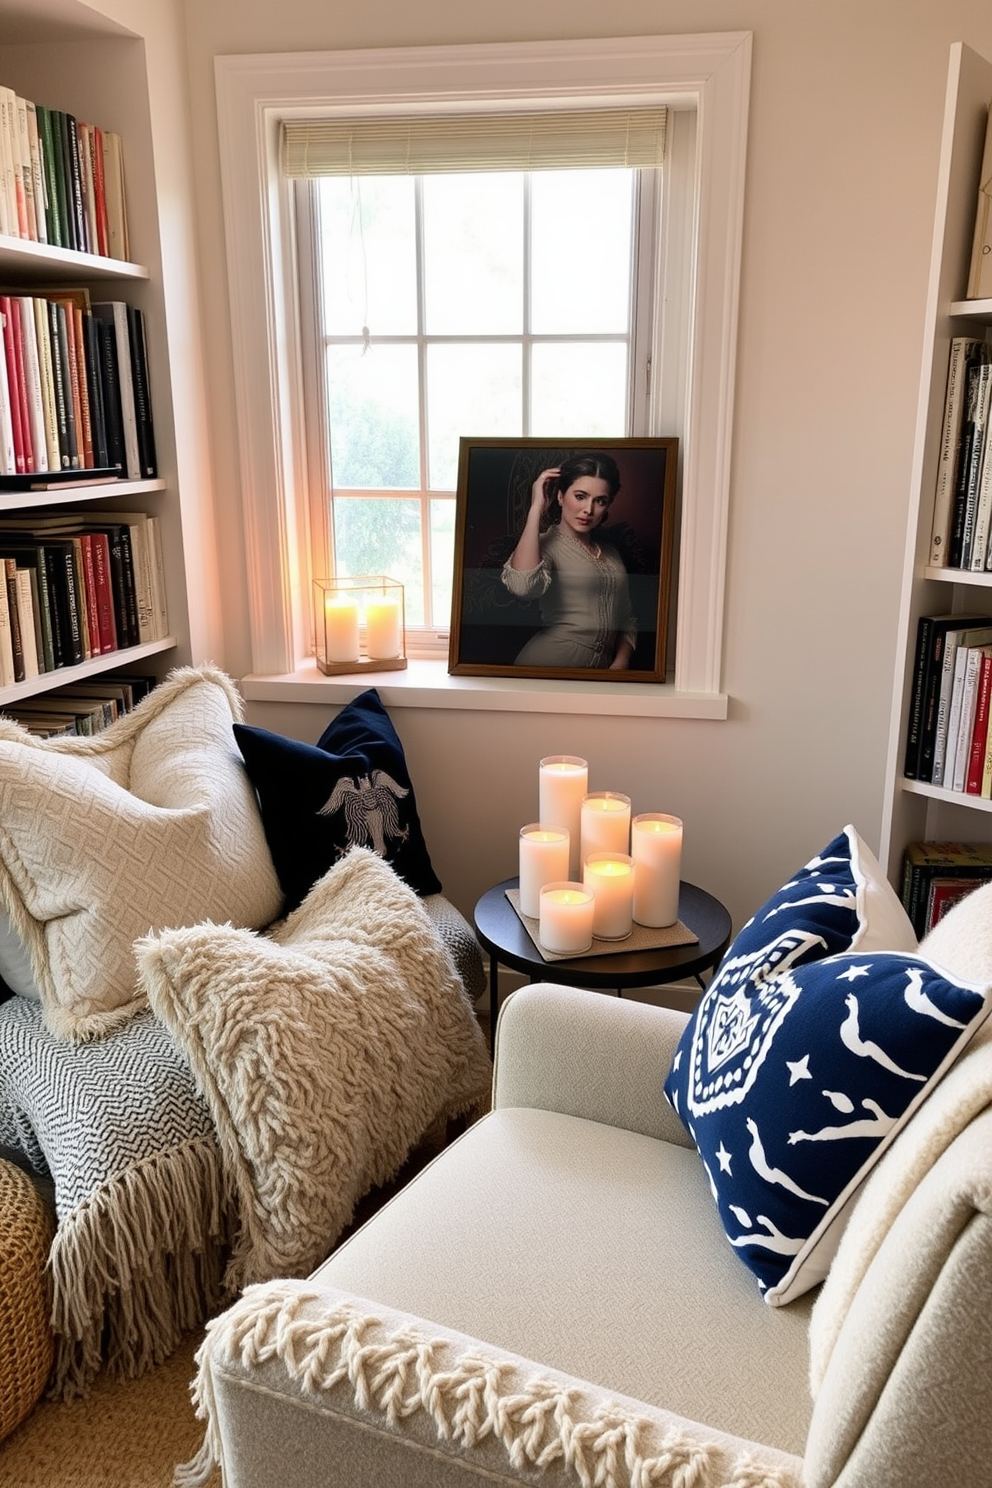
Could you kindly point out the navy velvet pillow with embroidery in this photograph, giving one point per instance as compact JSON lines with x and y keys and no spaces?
{"x":350,"y":789}
{"x":792,"y":1086}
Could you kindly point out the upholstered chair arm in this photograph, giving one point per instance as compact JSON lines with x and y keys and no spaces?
{"x":589,"y":1054}
{"x":309,"y":1385}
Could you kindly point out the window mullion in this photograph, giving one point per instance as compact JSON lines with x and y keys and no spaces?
{"x":425,"y":504}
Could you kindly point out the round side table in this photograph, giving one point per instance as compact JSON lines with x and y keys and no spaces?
{"x":502,"y":934}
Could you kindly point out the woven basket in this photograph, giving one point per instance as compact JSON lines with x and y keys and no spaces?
{"x":26,"y":1342}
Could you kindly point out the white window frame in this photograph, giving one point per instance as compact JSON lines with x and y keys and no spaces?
{"x":709,"y":74}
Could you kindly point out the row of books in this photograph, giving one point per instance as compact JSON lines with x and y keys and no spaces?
{"x":61,"y":180}
{"x":962,"y":510}
{"x":948,"y":740}
{"x":937,"y":874}
{"x":81,"y":708}
{"x":77,"y":585}
{"x":74,"y":390}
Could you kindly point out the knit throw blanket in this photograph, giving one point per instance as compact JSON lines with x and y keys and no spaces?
{"x":144,"y":1206}
{"x":228,"y":1138}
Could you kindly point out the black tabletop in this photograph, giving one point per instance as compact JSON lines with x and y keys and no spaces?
{"x":502,"y":934}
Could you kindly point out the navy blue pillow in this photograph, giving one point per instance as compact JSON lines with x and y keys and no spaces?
{"x":350,"y":789}
{"x":793,"y":1086}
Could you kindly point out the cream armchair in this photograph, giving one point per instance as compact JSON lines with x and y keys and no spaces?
{"x":554,"y":1301}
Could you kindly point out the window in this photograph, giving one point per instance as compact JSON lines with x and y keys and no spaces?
{"x":489,"y":302}
{"x":703,"y":79}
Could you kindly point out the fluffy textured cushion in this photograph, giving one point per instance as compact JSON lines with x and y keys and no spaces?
{"x":150,"y":823}
{"x":793,"y":1086}
{"x":351,"y":789}
{"x":324,"y":1051}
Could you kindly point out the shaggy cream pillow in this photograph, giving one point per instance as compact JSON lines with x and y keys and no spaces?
{"x":324,"y":1051}
{"x":151,"y":823}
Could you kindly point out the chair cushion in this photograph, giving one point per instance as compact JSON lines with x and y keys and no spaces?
{"x":597,"y":1251}
{"x":150,"y":823}
{"x":351,"y":789}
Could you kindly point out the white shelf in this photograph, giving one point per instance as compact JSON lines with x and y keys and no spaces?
{"x":69,"y":495}
{"x":979,"y":310}
{"x":62,"y":265}
{"x":958,"y":576}
{"x":948,"y":797}
{"x":110,"y":661}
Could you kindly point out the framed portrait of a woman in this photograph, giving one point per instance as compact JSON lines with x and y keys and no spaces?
{"x":563,"y":558}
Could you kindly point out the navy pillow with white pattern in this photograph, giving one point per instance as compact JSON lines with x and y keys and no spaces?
{"x":840,"y":901}
{"x":350,"y":789}
{"x":792,"y":1086}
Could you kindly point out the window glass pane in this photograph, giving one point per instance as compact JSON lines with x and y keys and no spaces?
{"x":582,"y":224}
{"x":381,"y":536}
{"x":579,"y":388}
{"x":367,"y":247}
{"x":473,"y":261}
{"x":373,"y":418}
{"x":442,"y":559}
{"x":470,"y":390}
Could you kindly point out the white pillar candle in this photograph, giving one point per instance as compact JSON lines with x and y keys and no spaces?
{"x":611,"y":878}
{"x":340,"y":628}
{"x":566,"y":918}
{"x":382,"y":629}
{"x":656,"y":847}
{"x":543,"y":859}
{"x":563,"y":782}
{"x":605,"y":823}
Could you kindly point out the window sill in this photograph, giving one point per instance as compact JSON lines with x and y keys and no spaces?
{"x":427,"y":684}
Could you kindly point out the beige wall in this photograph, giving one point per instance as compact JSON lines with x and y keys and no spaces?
{"x":846,"y":103}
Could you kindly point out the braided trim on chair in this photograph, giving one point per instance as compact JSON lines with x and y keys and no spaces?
{"x":468,"y":1395}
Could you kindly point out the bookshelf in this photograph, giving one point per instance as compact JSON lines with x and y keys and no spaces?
{"x":77,"y":60}
{"x":915,"y":811}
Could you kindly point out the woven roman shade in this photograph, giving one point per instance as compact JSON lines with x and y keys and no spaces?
{"x":422,"y":145}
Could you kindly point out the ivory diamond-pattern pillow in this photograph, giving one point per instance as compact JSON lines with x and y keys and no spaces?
{"x":152,"y":823}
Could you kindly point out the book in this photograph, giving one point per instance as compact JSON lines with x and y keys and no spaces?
{"x":9,"y":572}
{"x":64,"y":405}
{"x":6,"y":647}
{"x":118,"y":245}
{"x":25,"y":591}
{"x":144,"y":429}
{"x":119,"y":386}
{"x":27,"y":174}
{"x":100,"y":194}
{"x":924,"y":861}
{"x":37,"y":173}
{"x":10,"y":361}
{"x":23,"y":400}
{"x":50,"y":167}
{"x":32,"y":381}
{"x":946,"y":723}
{"x":975,"y":767}
{"x":46,"y":375}
{"x":944,"y":893}
{"x":965,"y":352}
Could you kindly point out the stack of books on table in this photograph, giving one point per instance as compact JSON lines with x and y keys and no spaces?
{"x":937,"y":874}
{"x":61,"y":180}
{"x":74,"y":393}
{"x":77,"y":585}
{"x":81,"y":708}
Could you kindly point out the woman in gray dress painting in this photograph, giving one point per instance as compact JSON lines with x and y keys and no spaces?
{"x":579,"y":580}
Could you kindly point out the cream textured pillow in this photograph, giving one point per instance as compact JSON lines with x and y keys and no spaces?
{"x":324,"y":1051}
{"x":149,"y":824}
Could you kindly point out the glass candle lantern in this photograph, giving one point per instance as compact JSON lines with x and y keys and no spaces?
{"x":359,"y":624}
